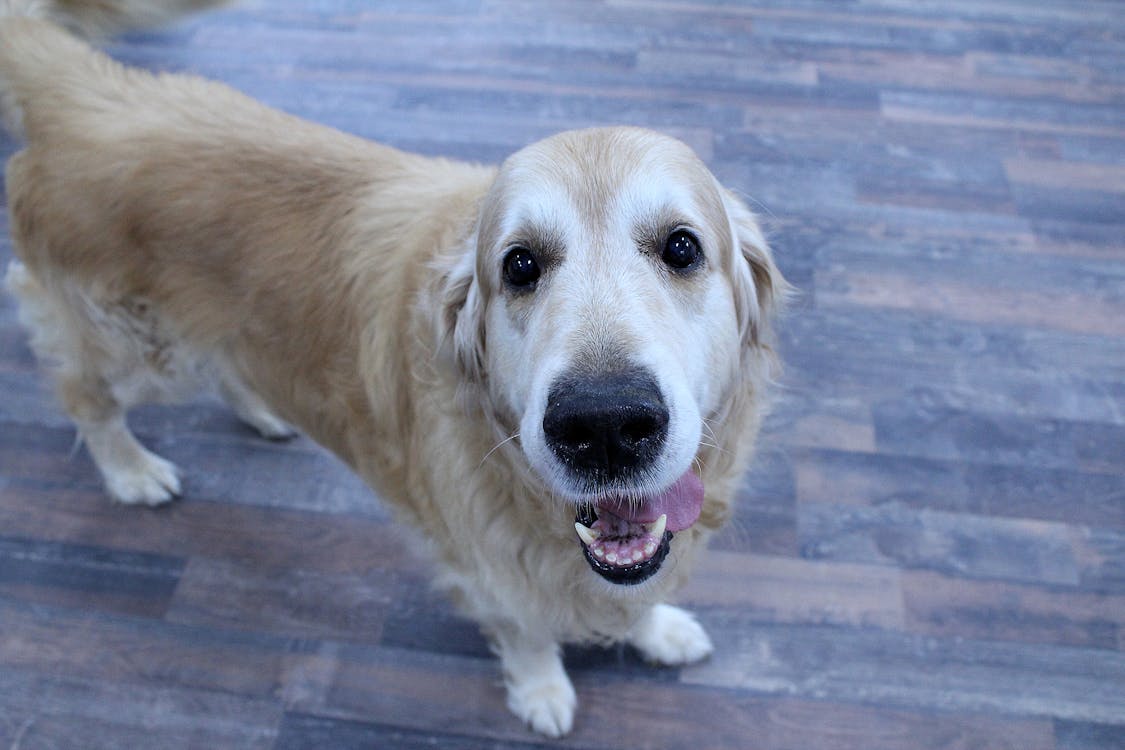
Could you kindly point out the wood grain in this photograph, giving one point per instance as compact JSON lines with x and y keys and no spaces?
{"x":929,"y":550}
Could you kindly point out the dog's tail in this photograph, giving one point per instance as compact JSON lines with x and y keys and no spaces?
{"x":35,"y":51}
{"x":100,"y":18}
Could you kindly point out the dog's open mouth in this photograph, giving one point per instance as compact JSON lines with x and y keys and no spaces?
{"x":625,"y":541}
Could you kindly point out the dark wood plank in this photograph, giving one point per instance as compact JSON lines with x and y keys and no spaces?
{"x":88,"y":577}
{"x":1084,"y":736}
{"x":40,"y":711}
{"x":290,"y":602}
{"x":301,"y":731}
{"x":57,"y":641}
{"x":270,"y":538}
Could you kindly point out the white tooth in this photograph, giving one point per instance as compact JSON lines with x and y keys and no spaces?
{"x":656,"y":528}
{"x":650,"y":548}
{"x":611,"y":557}
{"x":637,"y":555}
{"x":587,"y":535}
{"x":599,"y":551}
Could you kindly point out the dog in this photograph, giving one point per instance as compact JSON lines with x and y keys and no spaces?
{"x":554,"y":368}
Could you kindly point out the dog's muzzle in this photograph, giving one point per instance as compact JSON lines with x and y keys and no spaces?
{"x":608,"y":431}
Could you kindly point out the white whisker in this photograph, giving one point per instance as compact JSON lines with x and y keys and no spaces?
{"x":710,"y":431}
{"x":711,"y":440}
{"x":497,"y":447}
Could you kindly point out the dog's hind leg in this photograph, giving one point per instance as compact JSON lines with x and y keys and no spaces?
{"x":81,"y":353}
{"x":251,"y":409}
{"x":132,"y":474}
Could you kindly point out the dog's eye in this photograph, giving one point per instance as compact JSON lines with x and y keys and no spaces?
{"x":681,"y":250}
{"x":520,"y":268}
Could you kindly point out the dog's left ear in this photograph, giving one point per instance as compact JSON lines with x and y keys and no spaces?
{"x":461,"y":319}
{"x":759,"y":287}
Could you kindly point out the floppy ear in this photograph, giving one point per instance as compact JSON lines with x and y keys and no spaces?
{"x":461,"y":319}
{"x":759,"y":288}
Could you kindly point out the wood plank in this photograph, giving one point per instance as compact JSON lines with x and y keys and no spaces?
{"x":952,"y":485}
{"x":917,"y":427}
{"x":955,"y":543}
{"x":803,"y":419}
{"x":779,"y":589}
{"x":42,"y":711}
{"x":1070,"y":735}
{"x":270,"y":539}
{"x":964,"y":111}
{"x":929,"y":348}
{"x":73,"y":643}
{"x":424,"y":619}
{"x":294,"y":603}
{"x":203,"y":438}
{"x":299,"y":731}
{"x":1058,"y":309}
{"x":617,"y":713}
{"x":915,"y":671}
{"x":86,"y":577}
{"x":764,"y":518}
{"x":941,"y":605}
{"x":827,"y":725}
{"x":1067,"y":175}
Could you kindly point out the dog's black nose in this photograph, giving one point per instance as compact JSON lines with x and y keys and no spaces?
{"x":606,"y":427}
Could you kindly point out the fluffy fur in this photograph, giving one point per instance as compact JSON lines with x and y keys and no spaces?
{"x":171,"y":231}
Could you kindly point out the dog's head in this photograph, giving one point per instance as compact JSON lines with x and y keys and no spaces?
{"x":614,"y":297}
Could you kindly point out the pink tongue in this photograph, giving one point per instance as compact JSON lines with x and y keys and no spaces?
{"x":681,"y":502}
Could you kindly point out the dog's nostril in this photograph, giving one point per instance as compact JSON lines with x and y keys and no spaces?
{"x":578,"y":433}
{"x":644,"y":427}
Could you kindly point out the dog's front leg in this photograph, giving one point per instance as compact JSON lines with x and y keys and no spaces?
{"x":539,"y":691}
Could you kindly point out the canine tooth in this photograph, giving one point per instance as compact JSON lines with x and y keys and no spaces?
{"x":656,"y":528}
{"x":586,"y":534}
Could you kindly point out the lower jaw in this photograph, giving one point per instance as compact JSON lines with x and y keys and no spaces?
{"x":630,"y":575}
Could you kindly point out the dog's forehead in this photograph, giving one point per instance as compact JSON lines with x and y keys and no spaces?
{"x":596,"y":178}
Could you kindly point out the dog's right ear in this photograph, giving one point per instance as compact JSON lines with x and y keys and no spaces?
{"x":461,"y":319}
{"x":760,"y":289}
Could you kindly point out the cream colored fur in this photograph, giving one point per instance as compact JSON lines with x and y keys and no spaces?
{"x":171,"y":231}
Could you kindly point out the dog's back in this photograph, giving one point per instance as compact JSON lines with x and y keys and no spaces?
{"x":164,"y":224}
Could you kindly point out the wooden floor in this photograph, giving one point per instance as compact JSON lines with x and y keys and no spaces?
{"x":930,"y":551}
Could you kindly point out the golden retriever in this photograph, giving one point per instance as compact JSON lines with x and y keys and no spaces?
{"x":553,"y":369}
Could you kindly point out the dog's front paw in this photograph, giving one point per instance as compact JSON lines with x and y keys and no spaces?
{"x":671,"y":636}
{"x":545,"y":703}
